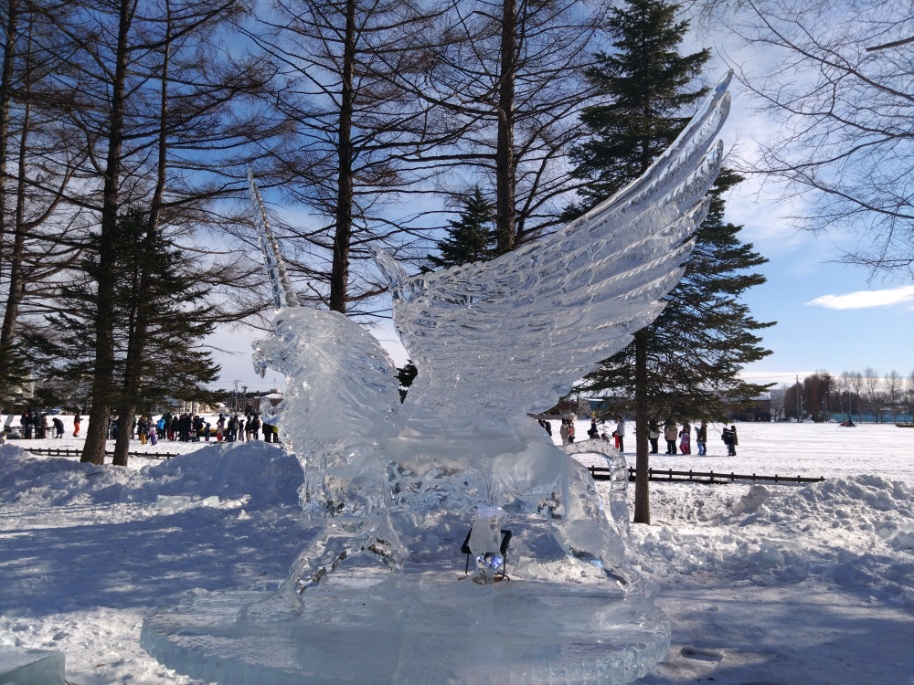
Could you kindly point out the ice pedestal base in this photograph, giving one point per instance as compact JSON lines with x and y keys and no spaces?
{"x":414,"y":628}
{"x":31,"y":667}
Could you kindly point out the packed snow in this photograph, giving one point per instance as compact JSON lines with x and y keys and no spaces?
{"x":764,"y":583}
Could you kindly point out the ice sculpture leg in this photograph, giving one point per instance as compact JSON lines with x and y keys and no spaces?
{"x":345,"y":538}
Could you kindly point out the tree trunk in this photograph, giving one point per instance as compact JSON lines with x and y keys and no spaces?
{"x":339,"y":276}
{"x":504,"y":154}
{"x":136,"y":350}
{"x":6,"y":96}
{"x":642,"y":456}
{"x":16,"y":286}
{"x":103,"y":377}
{"x":126,"y":414}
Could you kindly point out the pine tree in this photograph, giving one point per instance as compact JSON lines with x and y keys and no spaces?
{"x":699,"y":343}
{"x":647,"y":84}
{"x":684,"y":365}
{"x":172,"y":363}
{"x":472,"y":236}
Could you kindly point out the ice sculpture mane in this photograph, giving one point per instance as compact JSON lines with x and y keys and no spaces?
{"x":397,"y":487}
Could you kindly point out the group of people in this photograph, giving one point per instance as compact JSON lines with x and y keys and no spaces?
{"x":181,"y":427}
{"x":678,"y":438}
{"x":194,"y":428}
{"x":36,"y":425}
{"x":566,"y":432}
{"x":682,"y":437}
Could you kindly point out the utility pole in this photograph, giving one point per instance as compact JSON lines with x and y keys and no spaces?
{"x":244,"y":400}
{"x":799,"y":402}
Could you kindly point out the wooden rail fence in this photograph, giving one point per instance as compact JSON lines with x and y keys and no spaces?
{"x":64,"y":452}
{"x":598,"y":472}
{"x":603,"y":473}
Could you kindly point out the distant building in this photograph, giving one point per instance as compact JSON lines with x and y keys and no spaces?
{"x":759,"y":408}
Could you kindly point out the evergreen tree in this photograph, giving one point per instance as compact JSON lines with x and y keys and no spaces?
{"x":148,"y":274}
{"x":699,"y":343}
{"x":684,"y":365}
{"x":472,"y":236}
{"x":647,"y":85}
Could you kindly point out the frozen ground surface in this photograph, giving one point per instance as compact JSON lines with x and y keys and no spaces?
{"x":764,"y":585}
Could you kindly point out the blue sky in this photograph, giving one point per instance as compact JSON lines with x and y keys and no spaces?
{"x":829,"y":315}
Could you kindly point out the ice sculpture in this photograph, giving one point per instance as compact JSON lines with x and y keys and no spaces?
{"x":391,"y":490}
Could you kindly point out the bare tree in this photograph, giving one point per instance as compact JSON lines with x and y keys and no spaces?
{"x":909,"y":394}
{"x":894,"y":390}
{"x":355,"y":134}
{"x":855,"y":385}
{"x":37,"y":161}
{"x":510,"y":74}
{"x":875,"y":398}
{"x":838,"y":82}
{"x":843,"y":389}
{"x":155,"y":99}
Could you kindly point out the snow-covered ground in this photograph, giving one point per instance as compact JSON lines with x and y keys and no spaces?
{"x":764,"y":584}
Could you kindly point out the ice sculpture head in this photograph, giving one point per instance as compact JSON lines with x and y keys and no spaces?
{"x":340,"y":381}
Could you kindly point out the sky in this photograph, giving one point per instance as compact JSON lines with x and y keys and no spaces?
{"x":830,"y":316}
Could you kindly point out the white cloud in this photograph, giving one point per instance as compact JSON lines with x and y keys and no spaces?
{"x":865,"y":299}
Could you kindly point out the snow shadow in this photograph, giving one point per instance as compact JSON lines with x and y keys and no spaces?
{"x":782,"y":636}
{"x":144,"y":563}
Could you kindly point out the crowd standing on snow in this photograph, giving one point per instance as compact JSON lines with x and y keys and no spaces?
{"x":678,"y":438}
{"x":173,"y":427}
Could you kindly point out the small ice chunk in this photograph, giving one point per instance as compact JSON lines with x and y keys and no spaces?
{"x":31,"y":667}
{"x":172,"y":503}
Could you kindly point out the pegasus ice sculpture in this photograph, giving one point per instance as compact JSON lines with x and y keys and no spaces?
{"x":493,"y":342}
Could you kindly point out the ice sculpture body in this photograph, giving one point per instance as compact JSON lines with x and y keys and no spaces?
{"x":391,"y":486}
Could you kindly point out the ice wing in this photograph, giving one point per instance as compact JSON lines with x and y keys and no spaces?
{"x":511,"y":335}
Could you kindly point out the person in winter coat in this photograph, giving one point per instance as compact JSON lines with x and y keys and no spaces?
{"x":653,"y":434}
{"x":27,"y":425}
{"x":77,"y":419}
{"x":685,"y":439}
{"x":142,"y":428}
{"x":701,"y":437}
{"x":620,"y":432}
{"x":58,"y":427}
{"x":669,"y":434}
{"x":563,"y":431}
{"x":592,"y":432}
{"x":730,"y":440}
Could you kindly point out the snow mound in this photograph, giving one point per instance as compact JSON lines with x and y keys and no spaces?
{"x":255,"y":473}
{"x":858,"y":532}
{"x":859,"y":504}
